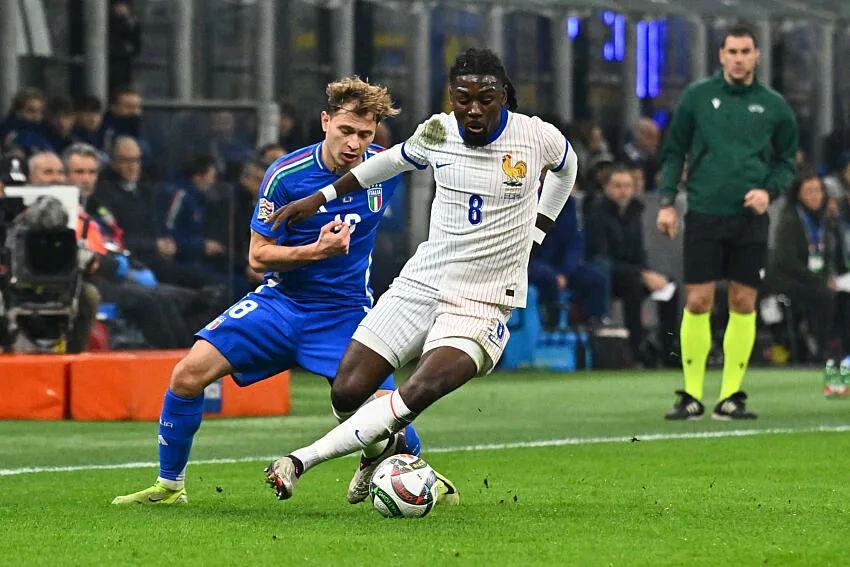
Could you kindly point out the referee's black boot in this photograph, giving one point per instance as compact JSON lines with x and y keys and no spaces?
{"x":732,"y":407}
{"x":688,"y":407}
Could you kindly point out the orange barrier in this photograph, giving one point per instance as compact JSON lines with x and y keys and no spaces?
{"x":33,"y":387}
{"x":119,"y":386}
{"x":130,"y":386}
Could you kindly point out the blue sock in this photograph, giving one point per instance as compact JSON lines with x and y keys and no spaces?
{"x":414,"y":444}
{"x":180,"y":420}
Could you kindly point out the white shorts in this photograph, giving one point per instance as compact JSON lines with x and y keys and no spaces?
{"x":412,"y":318}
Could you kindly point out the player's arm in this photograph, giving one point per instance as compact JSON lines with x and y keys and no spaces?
{"x":557,"y":187}
{"x":265,"y":255}
{"x":784,"y":141}
{"x":376,"y":169}
{"x":676,"y":148}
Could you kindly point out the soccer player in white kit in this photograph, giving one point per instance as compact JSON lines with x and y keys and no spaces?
{"x":453,"y":298}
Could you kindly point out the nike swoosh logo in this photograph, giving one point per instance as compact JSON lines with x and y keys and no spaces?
{"x":439,"y":165}
{"x":154,"y":499}
{"x":357,"y":434}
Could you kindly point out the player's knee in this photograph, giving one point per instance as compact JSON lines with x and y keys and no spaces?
{"x":699,"y":303}
{"x":742,"y":300}
{"x":188,"y":378}
{"x":345,"y":396}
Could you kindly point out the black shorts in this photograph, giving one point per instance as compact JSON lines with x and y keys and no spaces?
{"x":725,"y":247}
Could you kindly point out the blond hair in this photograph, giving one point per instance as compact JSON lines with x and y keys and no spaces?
{"x":367,"y":98}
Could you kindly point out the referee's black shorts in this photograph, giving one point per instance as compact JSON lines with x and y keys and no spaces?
{"x":725,"y":247}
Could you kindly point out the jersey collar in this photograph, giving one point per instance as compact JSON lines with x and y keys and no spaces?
{"x":317,"y":155}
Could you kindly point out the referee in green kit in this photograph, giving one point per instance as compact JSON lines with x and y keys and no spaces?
{"x":739,"y":138}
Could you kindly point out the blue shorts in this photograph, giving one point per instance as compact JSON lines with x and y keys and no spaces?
{"x":268,"y":332}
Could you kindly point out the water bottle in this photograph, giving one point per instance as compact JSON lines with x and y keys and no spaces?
{"x":843,"y":386}
{"x":212,"y":397}
{"x":831,"y":380}
{"x":570,"y":340}
{"x":584,"y":339}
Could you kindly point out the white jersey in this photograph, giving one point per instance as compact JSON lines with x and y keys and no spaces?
{"x":485,"y":205}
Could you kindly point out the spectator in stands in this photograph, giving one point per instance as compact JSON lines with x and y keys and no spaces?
{"x":46,"y":168}
{"x":803,"y":263}
{"x":60,"y":122}
{"x":158,"y":311}
{"x":267,"y":153}
{"x":125,"y":44}
{"x":638,"y":177}
{"x":246,"y":198}
{"x":620,"y":218}
{"x":132,"y":201}
{"x":229,"y":148}
{"x":185,"y":206}
{"x":589,"y":142}
{"x":89,"y":117}
{"x":642,"y":150}
{"x":837,"y":185}
{"x":290,"y":136}
{"x":23,"y":131}
{"x":559,"y":266}
{"x":124,"y":118}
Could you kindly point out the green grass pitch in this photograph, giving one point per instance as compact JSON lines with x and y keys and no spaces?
{"x":553,"y":469}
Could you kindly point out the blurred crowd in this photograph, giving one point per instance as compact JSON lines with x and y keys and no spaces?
{"x":172,"y":246}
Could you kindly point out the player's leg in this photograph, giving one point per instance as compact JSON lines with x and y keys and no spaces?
{"x":388,"y":337}
{"x":451,"y":359}
{"x":439,"y":372}
{"x":324,"y":343}
{"x":747,"y":257}
{"x":237,"y":342}
{"x":180,"y":419}
{"x":704,"y":262}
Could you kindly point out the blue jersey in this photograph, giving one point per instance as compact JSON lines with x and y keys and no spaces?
{"x":343,"y":280}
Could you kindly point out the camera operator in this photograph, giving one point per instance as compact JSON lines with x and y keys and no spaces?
{"x":45,"y":168}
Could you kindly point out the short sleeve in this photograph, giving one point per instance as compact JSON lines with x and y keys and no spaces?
{"x":273,"y":195}
{"x":555,"y":146}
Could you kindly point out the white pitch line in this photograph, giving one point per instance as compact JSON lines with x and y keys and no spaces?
{"x":467,"y":448}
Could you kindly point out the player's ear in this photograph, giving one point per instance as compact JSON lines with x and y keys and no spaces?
{"x":326,"y":118}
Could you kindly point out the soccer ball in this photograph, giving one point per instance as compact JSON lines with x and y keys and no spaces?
{"x":403,"y":486}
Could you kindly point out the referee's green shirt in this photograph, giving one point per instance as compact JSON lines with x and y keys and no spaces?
{"x":735,"y":138}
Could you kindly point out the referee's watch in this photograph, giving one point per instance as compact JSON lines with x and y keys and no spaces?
{"x":667,"y":200}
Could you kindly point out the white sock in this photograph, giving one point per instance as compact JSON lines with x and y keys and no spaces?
{"x":171,"y":484}
{"x":370,"y":451}
{"x":373,"y":422}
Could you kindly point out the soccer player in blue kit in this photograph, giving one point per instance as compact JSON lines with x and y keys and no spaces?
{"x":315,"y":293}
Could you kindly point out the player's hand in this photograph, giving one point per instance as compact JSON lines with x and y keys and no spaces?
{"x":653,"y":280}
{"x":334,"y":239}
{"x":757,"y":200}
{"x":562,"y":281}
{"x":213,"y":247}
{"x":297,"y":211}
{"x":668,"y":221}
{"x":166,"y":246}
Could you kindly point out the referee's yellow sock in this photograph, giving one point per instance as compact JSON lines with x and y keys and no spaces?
{"x":695,"y":338}
{"x":737,"y":347}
